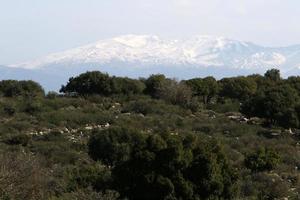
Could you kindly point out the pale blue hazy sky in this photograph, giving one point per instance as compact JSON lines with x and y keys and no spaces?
{"x":33,"y":28}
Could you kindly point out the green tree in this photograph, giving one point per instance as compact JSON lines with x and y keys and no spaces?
{"x":87,"y":83}
{"x":154,"y":84}
{"x":207,"y":88}
{"x":13,"y":88}
{"x":273,"y":75}
{"x":294,"y":82}
{"x":164,"y":166}
{"x":112,"y":145}
{"x":240,"y":88}
{"x":175,"y":93}
{"x":276,"y":104}
{"x":95,"y":82}
{"x":127,"y":86}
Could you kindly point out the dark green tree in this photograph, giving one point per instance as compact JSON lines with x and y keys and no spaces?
{"x":13,"y":88}
{"x":164,"y":166}
{"x":273,"y":75}
{"x":207,"y":88}
{"x":95,"y":82}
{"x":240,"y":88}
{"x":177,"y":93}
{"x":294,"y":82}
{"x":154,"y":84}
{"x":89,"y":83}
{"x":276,"y":104}
{"x":127,"y":86}
{"x":113,"y":145}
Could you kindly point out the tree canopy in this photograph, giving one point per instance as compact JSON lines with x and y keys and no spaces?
{"x":164,"y":166}
{"x":96,"y":82}
{"x":207,"y":87}
{"x":13,"y":88}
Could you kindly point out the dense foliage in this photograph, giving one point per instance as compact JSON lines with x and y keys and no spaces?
{"x":12,"y":88}
{"x":107,"y":137}
{"x":207,"y":88}
{"x":102,"y":84}
{"x":164,"y":166}
{"x":262,"y":160}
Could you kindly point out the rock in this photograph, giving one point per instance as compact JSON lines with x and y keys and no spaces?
{"x":275,"y":134}
{"x":234,"y":117}
{"x":88,"y":128}
{"x":254,"y":121}
{"x":243,"y":120}
{"x":70,"y":108}
{"x":237,"y":114}
{"x":212,"y":116}
{"x":141,"y":115}
{"x":289,"y":131}
{"x":107,"y":125}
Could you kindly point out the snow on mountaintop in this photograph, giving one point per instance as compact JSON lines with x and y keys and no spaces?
{"x":198,"y":51}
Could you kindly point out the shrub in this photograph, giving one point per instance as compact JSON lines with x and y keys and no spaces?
{"x":20,"y":139}
{"x":23,"y":177}
{"x":163,"y":166}
{"x":113,"y":145}
{"x":9,"y":109}
{"x":93,"y":175}
{"x":262,"y":160}
{"x":52,"y":95}
{"x":13,"y":88}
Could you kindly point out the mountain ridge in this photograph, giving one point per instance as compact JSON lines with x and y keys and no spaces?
{"x":201,"y":51}
{"x":142,"y":55}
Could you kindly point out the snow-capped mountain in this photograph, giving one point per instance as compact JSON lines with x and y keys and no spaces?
{"x":142,"y":55}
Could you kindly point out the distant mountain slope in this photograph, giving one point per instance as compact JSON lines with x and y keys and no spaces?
{"x":141,"y":55}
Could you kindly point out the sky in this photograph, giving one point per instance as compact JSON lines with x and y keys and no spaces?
{"x":33,"y":28}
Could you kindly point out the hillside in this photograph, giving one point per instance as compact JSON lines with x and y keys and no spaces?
{"x":114,"y":138}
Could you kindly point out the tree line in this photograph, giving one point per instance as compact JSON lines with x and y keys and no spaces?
{"x":269,"y":96}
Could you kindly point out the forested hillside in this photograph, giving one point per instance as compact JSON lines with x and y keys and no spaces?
{"x":106,"y":137}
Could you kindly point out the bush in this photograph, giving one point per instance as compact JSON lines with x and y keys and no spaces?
{"x":163,"y":166}
{"x":20,"y":139}
{"x":52,"y":95}
{"x":31,"y":106}
{"x":23,"y":177}
{"x":93,"y":175}
{"x":9,"y":109}
{"x":13,"y":88}
{"x":113,"y":145}
{"x":262,"y":160}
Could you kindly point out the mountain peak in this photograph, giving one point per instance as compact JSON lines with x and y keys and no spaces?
{"x":142,"y":55}
{"x":200,"y":51}
{"x":136,"y":41}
